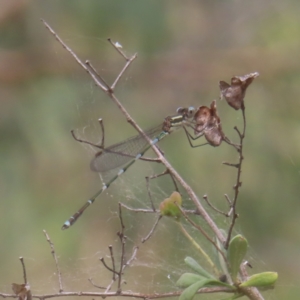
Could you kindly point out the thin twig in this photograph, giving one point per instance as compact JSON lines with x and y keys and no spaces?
{"x":112,"y":260}
{"x":76,"y":57}
{"x":202,"y":231}
{"x":149,"y":193}
{"x":126,"y":294}
{"x":231,"y":164}
{"x":24,"y":269}
{"x":199,"y":248}
{"x":238,"y":181}
{"x":56,"y":260}
{"x":129,"y":261}
{"x":152,"y":230}
{"x":118,"y":48}
{"x":100,"y":78}
{"x":143,"y":210}
{"x":205,"y":197}
{"x":150,"y":211}
{"x":107,"y":267}
{"x":123,"y":239}
{"x":128,"y":62}
{"x":228,"y":199}
{"x":230,"y":205}
{"x":96,"y":285}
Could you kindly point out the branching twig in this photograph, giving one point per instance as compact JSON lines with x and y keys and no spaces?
{"x":112,"y":260}
{"x":130,"y":120}
{"x":238,"y":183}
{"x":107,"y":267}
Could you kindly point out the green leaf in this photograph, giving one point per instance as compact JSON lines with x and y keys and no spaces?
{"x":190,"y":292}
{"x":261,"y":280}
{"x":221,"y":263}
{"x":197,"y":268}
{"x":169,"y":207}
{"x":188,"y":279}
{"x":236,"y":252}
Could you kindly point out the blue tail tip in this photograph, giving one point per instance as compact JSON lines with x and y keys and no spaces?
{"x":66,"y":225}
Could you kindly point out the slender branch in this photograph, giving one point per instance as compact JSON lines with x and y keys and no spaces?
{"x":24,"y":269}
{"x":199,"y":248}
{"x":112,"y":260}
{"x":93,"y":70}
{"x":205,"y":197}
{"x":123,"y":239}
{"x":228,"y":199}
{"x":231,"y":164}
{"x":152,"y":230}
{"x":56,"y":261}
{"x":124,"y":294}
{"x":107,"y":267}
{"x":129,"y":261}
{"x":118,"y":48}
{"x":202,"y":231}
{"x":83,"y":65}
{"x":238,"y":183}
{"x":143,"y":210}
{"x":150,"y":211}
{"x":96,"y":285}
{"x":128,"y":62}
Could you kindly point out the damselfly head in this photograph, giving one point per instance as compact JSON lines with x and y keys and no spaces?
{"x":187,"y":112}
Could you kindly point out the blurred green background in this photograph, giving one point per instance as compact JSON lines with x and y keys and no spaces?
{"x":184,"y":49}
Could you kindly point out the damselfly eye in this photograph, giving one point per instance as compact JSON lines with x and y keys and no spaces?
{"x":179,"y":110}
{"x":191,"y":110}
{"x":186,"y":111}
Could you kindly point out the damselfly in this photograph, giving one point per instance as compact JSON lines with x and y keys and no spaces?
{"x":129,"y":151}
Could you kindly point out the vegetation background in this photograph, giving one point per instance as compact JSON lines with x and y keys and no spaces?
{"x":184,"y":49}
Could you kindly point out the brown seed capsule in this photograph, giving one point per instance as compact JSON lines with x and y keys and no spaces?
{"x":208,"y":124}
{"x":234,"y":94}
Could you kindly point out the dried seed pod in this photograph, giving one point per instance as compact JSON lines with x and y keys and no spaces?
{"x":234,"y":94}
{"x":22,"y":291}
{"x":208,"y":124}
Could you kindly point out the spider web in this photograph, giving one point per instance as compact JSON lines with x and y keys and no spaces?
{"x":160,"y":260}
